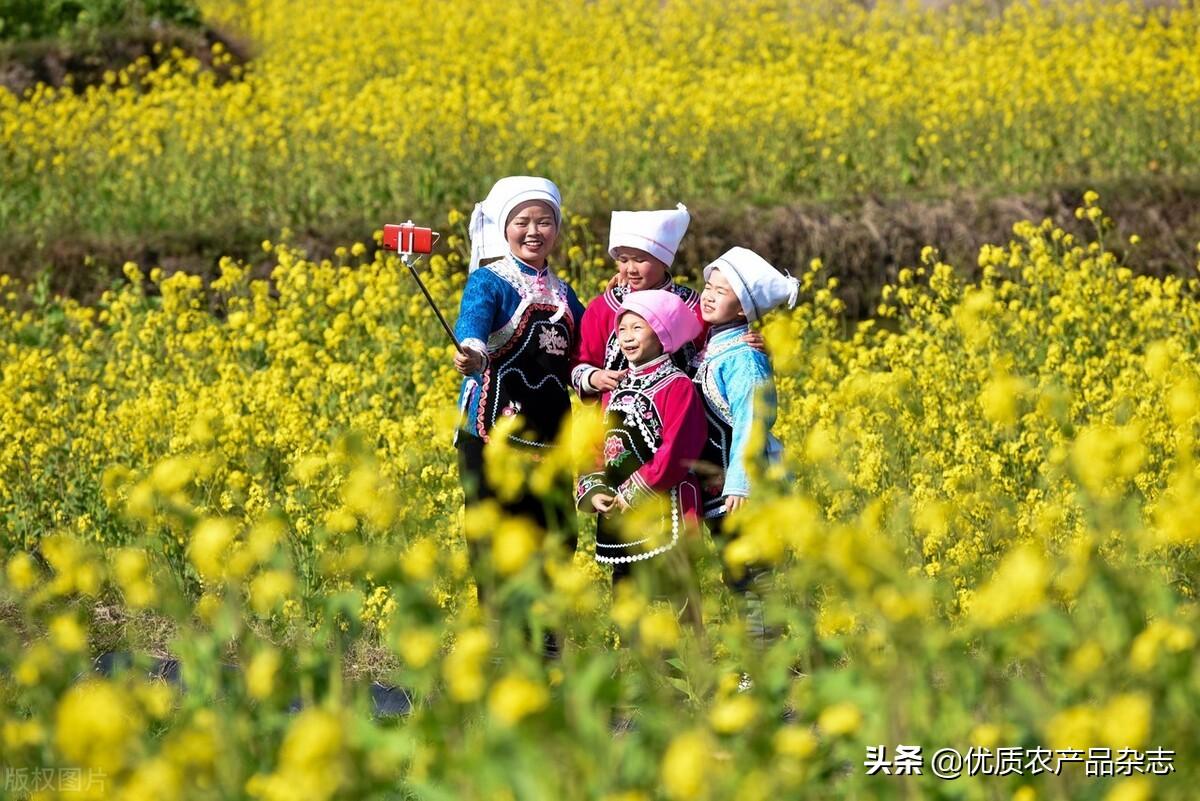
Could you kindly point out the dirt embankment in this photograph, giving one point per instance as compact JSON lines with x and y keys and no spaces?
{"x":864,"y":242}
{"x":83,"y":63}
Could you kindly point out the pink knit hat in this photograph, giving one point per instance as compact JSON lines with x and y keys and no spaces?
{"x":668,"y":316}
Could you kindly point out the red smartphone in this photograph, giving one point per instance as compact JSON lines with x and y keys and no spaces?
{"x":408,"y":238}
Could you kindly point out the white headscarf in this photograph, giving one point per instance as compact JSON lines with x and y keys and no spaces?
{"x":655,"y":232}
{"x":490,"y":217}
{"x":486,"y":241}
{"x":758,"y":285}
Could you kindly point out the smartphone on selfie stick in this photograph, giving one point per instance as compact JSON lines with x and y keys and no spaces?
{"x":411,"y":242}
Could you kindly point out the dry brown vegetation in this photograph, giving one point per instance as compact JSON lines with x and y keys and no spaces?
{"x":864,"y":242}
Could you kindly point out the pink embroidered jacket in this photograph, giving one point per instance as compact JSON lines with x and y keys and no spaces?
{"x":656,"y":429}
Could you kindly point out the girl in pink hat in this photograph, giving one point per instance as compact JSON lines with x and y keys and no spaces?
{"x":655,"y":431}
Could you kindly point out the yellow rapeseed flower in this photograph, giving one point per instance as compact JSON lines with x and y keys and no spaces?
{"x":261,"y":672}
{"x":658,"y":629}
{"x":795,"y":742}
{"x":1074,"y":727}
{"x":419,"y":560}
{"x":516,"y":540}
{"x":269,"y":589}
{"x":97,"y":725}
{"x":1017,"y":589}
{"x":685,"y":766}
{"x":417,"y":647}
{"x":312,"y":756}
{"x":840,"y":719}
{"x":1124,"y":722}
{"x":68,"y":634}
{"x":21,"y":571}
{"x":1137,"y":788}
{"x":463,"y":667}
{"x":732,"y":715}
{"x":515,"y":697}
{"x":210,"y":542}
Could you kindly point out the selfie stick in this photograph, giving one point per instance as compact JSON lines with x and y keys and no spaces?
{"x":406,"y":256}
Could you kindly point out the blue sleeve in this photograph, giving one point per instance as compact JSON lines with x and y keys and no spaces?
{"x":743,"y":376}
{"x":480,"y":299}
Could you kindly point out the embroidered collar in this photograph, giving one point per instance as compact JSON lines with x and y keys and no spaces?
{"x":532,"y":285}
{"x":652,"y":366}
{"x":620,"y":291}
{"x":720,"y":339}
{"x":726,"y":332}
{"x":529,"y":269}
{"x":647,"y":377}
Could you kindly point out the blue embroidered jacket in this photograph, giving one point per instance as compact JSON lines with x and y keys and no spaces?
{"x":730,"y":375}
{"x":503,"y":301}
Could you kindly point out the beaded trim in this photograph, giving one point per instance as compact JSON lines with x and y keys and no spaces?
{"x":639,"y":557}
{"x":612,"y":353}
{"x":635,"y":394}
{"x":539,"y":385}
{"x":481,"y":413}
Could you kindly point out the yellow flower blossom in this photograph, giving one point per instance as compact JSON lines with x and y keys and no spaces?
{"x":463,"y":667}
{"x":1138,"y":788}
{"x":207,"y":549}
{"x":21,"y":571}
{"x":312,"y":756}
{"x":795,"y":742}
{"x":514,"y":543}
{"x":685,"y":766}
{"x":1016,"y":589}
{"x":658,"y":629}
{"x":68,"y":634}
{"x":733,"y":714}
{"x":1074,"y":727}
{"x":419,"y":560}
{"x":840,"y":719}
{"x":417,"y":647}
{"x":1124,"y":722}
{"x":269,"y":589}
{"x":97,"y":725}
{"x":261,"y":672}
{"x":514,"y":697}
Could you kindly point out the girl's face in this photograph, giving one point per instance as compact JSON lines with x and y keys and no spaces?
{"x":718,"y":303}
{"x":531,"y":232}
{"x":637,"y":339}
{"x":639,"y":269}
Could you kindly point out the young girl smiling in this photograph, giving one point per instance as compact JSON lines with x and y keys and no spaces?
{"x":655,"y":431}
{"x":739,"y":288}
